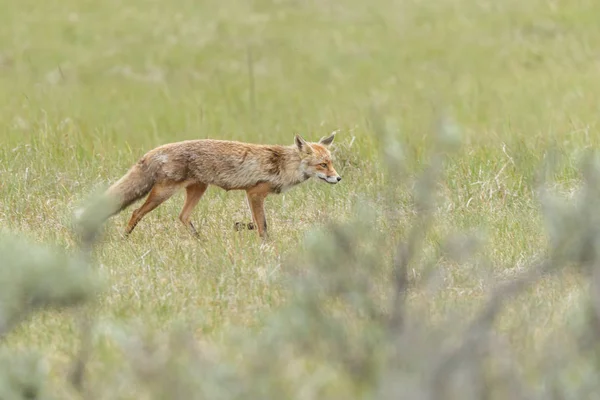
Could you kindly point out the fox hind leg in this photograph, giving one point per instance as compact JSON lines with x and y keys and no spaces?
{"x":158,"y":195}
{"x":193,"y":194}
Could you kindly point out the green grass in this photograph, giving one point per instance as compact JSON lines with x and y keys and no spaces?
{"x":88,"y":87}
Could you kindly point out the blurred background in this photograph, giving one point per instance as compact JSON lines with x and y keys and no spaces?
{"x":457,"y":258}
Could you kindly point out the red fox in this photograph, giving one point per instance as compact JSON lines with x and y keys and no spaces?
{"x":195,"y":164}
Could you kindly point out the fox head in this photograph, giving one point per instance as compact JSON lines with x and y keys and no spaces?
{"x":316,"y":159}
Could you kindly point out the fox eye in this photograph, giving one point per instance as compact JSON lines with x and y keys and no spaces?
{"x":324,"y":165}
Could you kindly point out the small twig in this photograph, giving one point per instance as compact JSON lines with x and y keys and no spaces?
{"x":251,"y":81}
{"x":77,"y":376}
{"x":406,"y":251}
{"x":84,"y":318}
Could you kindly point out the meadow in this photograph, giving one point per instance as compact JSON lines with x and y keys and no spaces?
{"x":89,"y":87}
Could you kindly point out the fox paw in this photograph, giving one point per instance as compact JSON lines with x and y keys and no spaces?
{"x":239,"y":226}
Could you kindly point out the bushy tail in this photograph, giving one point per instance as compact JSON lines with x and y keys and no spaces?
{"x":134,"y":185}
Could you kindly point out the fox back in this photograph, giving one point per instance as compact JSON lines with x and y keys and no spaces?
{"x":235,"y":165}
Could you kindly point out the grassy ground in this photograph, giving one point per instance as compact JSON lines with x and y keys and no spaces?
{"x":88,"y":87}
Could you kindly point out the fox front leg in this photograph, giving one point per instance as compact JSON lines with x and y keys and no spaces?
{"x":256,"y":201}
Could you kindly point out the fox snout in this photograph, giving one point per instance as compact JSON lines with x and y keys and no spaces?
{"x":327,"y":173}
{"x":333,"y":179}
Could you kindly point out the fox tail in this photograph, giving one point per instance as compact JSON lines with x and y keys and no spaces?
{"x":134,"y":185}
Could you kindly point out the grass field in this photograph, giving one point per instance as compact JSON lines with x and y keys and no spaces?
{"x":88,"y":87}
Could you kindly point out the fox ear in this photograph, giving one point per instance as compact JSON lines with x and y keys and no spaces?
{"x":326,"y":141}
{"x":303,"y":147}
